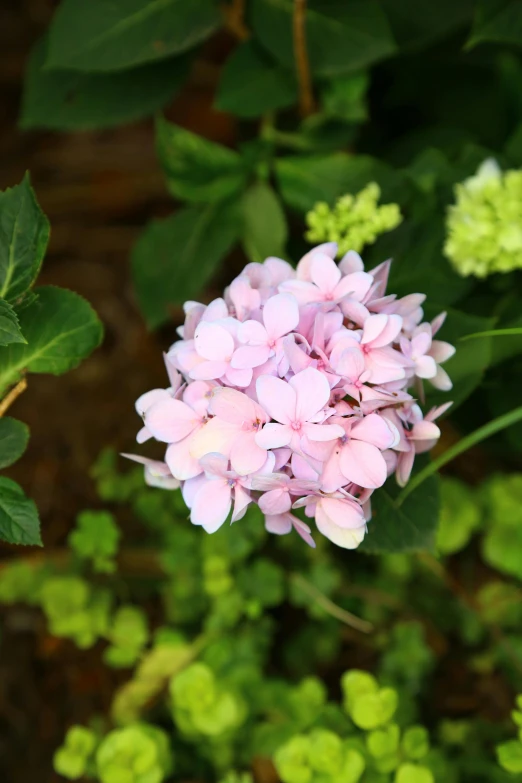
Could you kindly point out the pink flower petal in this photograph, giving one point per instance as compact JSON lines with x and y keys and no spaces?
{"x":375,"y":430}
{"x":171,"y":420}
{"x":234,"y":406}
{"x":211,"y":505}
{"x":181,"y":463}
{"x":355,"y":286}
{"x":213,"y":342}
{"x":279,"y":524}
{"x":208,"y":371}
{"x":312,"y":393}
{"x":252,"y":333}
{"x":273,"y":436}
{"x":278,"y":398}
{"x":324,"y":272}
{"x":277,"y":501}
{"x":322,"y":432}
{"x":215,"y":436}
{"x":363,"y":464}
{"x":249,"y":356}
{"x":241,"y":501}
{"x":351,"y":262}
{"x":245,"y":455}
{"x":280,"y":315}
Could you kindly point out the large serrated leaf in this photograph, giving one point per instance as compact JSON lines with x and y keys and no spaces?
{"x":71,"y":100}
{"x":341,"y":36}
{"x":409,"y":527}
{"x":61,"y":329}
{"x":14,"y":436}
{"x":103,"y":35}
{"x":24,"y":233}
{"x":174,"y":257}
{"x":9,"y":326}
{"x":252,"y":83}
{"x":265,"y":230}
{"x":197,"y":169}
{"x":19,"y":523}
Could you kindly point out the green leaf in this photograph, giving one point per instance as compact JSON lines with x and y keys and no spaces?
{"x":61,"y":329}
{"x":252,"y":84}
{"x":345,"y":97}
{"x":24,"y":233}
{"x":409,"y":527}
{"x":341,"y":37}
{"x":175,"y":257}
{"x":265,"y":230}
{"x":197,"y":169}
{"x":489,"y":429}
{"x":69,"y":100}
{"x":509,"y":756}
{"x":466,"y":368}
{"x":306,"y":179}
{"x":417,"y":23}
{"x":103,"y":35}
{"x":9,"y":326}
{"x":14,"y":436}
{"x":19,"y":523}
{"x":497,"y":21}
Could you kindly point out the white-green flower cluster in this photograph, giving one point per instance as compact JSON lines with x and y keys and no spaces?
{"x":484,"y":226}
{"x":354,"y":221}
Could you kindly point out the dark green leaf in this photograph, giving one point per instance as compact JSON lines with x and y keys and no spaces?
{"x":24,"y":233}
{"x":19,"y":523}
{"x":417,"y":23}
{"x":341,"y":36}
{"x":265,"y":231}
{"x":9,"y":327}
{"x":345,"y":97}
{"x":14,"y":436}
{"x":498,"y":21}
{"x":252,"y":84}
{"x":175,"y":257}
{"x":103,"y":35}
{"x":71,"y":100}
{"x":197,"y":169}
{"x":61,"y":329}
{"x":466,"y":368}
{"x":406,"y":528}
{"x":306,"y":179}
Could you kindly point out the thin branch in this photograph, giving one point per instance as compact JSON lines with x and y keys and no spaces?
{"x":15,"y":392}
{"x":306,"y":96}
{"x":235,"y":19}
{"x":332,"y":609}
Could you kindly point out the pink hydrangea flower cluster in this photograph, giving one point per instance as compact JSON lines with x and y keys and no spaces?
{"x":294,"y":390}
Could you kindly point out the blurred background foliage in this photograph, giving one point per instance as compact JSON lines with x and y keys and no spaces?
{"x":261,"y":109}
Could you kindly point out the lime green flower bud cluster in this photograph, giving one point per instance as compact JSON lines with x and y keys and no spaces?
{"x":75,"y":758}
{"x":75,"y":609}
{"x":136,"y":754}
{"x":484,"y":226}
{"x":202,"y":706}
{"x":509,"y":753}
{"x":354,"y":221}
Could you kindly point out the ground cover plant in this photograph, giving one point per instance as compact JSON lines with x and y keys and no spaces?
{"x":312,"y":575}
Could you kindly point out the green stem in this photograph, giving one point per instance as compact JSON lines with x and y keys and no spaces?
{"x":463,"y":445}
{"x":332,"y":609}
{"x":494,"y":333}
